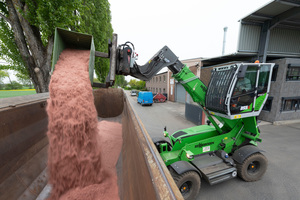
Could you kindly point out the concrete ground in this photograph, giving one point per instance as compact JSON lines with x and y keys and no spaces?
{"x":159,"y":115}
{"x":280,"y":143}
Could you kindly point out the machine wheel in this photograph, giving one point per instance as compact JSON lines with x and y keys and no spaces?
{"x":188,"y":184}
{"x":253,"y":167}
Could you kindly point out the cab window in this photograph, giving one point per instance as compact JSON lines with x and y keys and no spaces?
{"x":263,"y":79}
{"x":244,"y":91}
{"x":246,"y":83}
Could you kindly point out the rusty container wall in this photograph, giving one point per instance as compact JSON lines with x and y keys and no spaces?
{"x":23,"y":150}
{"x":23,"y":146}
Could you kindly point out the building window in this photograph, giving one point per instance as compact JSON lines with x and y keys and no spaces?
{"x":290,"y":103}
{"x":164,"y":78}
{"x":156,"y":80}
{"x":156,"y":90}
{"x":159,"y":90}
{"x":268,"y":105}
{"x":160,"y":79}
{"x":164,"y":90}
{"x":274,"y":74}
{"x":293,"y":72}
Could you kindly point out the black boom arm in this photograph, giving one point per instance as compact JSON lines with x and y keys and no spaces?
{"x":126,"y":64}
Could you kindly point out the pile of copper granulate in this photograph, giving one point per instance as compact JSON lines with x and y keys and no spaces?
{"x":110,"y":140}
{"x":77,"y":160}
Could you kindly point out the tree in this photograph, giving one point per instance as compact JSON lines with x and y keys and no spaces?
{"x":96,"y":20}
{"x":120,"y":81}
{"x":14,"y":85}
{"x":135,"y":84}
{"x":132,"y":83}
{"x":141,"y":85}
{"x":95,"y":80}
{"x":3,"y":75}
{"x":27,"y":28}
{"x":24,"y":80}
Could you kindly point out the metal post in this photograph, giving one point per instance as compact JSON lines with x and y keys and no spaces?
{"x":113,"y":61}
{"x":264,"y":42}
{"x":224,"y":40}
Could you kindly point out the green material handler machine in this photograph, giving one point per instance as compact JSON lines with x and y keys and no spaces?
{"x":233,"y":99}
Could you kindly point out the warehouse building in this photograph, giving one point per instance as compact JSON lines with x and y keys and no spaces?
{"x":158,"y":83}
{"x":165,"y":84}
{"x":271,"y":34}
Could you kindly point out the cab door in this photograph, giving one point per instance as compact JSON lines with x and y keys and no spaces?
{"x":244,"y":92}
{"x":251,"y":89}
{"x":263,"y":85}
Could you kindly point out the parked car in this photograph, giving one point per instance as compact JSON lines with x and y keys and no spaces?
{"x":159,"y":98}
{"x":133,"y":92}
{"x":145,"y":98}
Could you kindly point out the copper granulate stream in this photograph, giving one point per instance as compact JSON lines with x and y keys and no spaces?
{"x":82,"y":151}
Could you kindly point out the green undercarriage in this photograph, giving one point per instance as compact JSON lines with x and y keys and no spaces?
{"x":203,"y":139}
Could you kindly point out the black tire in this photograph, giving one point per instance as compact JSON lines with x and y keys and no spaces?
{"x":188,"y":183}
{"x":253,"y":167}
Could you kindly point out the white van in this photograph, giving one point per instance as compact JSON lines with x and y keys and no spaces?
{"x":133,"y":92}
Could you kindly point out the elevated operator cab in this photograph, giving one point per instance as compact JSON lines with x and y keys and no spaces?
{"x":239,"y":90}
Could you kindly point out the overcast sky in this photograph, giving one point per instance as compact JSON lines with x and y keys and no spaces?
{"x":191,"y":28}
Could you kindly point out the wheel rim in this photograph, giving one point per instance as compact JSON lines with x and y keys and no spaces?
{"x":253,"y":167}
{"x":185,"y":188}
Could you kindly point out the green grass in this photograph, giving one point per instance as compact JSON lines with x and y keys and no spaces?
{"x":15,"y":93}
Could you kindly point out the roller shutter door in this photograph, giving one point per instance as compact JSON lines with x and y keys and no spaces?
{"x":180,"y":93}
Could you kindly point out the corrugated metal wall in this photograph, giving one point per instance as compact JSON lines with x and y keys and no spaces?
{"x":282,"y":41}
{"x":249,"y":38}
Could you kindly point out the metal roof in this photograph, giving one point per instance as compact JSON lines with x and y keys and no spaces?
{"x":240,"y":57}
{"x":227,"y":58}
{"x":280,"y":13}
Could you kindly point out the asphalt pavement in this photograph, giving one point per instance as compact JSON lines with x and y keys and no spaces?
{"x":281,"y":144}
